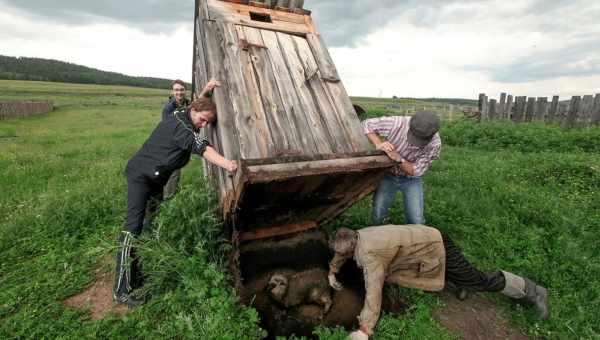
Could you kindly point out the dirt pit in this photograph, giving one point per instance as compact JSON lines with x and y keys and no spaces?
{"x":97,"y":298}
{"x":475,"y":319}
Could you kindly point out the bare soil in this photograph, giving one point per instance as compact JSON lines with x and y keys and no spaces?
{"x":475,"y":319}
{"x":97,"y":298}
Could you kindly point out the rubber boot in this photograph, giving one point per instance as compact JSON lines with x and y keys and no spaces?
{"x":122,"y":289}
{"x":537,"y":296}
{"x":524,"y":289}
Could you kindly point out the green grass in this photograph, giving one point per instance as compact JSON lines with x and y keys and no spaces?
{"x":524,"y":198}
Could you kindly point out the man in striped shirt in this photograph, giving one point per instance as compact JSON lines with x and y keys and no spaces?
{"x":417,"y":142}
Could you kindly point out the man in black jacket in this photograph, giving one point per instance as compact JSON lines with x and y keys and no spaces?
{"x":168,"y":148}
{"x":178,"y":102}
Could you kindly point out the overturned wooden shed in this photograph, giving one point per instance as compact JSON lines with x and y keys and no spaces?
{"x":284,"y":114}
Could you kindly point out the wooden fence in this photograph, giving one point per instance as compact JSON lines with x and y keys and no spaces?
{"x":580,"y":111}
{"x":24,"y":109}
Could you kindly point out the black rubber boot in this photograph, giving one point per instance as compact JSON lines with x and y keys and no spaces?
{"x":537,"y":296}
{"x":123,"y":289}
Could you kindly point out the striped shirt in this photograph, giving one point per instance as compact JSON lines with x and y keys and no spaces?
{"x":395,"y":129}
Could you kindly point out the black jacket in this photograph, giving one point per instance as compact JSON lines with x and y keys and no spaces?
{"x":171,"y":106}
{"x":167,"y":149}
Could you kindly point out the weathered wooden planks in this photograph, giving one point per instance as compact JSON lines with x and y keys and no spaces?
{"x":596,"y":111}
{"x":239,"y":14}
{"x":553,"y":110}
{"x":274,"y":112}
{"x":530,"y":109}
{"x":299,"y":127}
{"x":483,"y":106}
{"x":308,"y":107}
{"x":574,"y":107}
{"x":541,"y":107}
{"x":520,"y":104}
{"x":509,"y":107}
{"x":323,"y":58}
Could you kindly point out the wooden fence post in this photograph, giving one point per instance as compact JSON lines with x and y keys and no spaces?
{"x":502,"y":106}
{"x":596,"y":111}
{"x":553,"y":111}
{"x":572,"y":114}
{"x":529,"y":112}
{"x":587,"y":106}
{"x":520,"y":103}
{"x":492,"y":109}
{"x":541,"y":109}
{"x":509,"y":107}
{"x":483,"y":106}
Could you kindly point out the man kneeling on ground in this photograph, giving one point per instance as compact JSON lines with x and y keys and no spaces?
{"x":417,"y":256}
{"x":168,"y":148}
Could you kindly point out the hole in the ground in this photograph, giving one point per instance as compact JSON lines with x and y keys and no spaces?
{"x":285,"y":279}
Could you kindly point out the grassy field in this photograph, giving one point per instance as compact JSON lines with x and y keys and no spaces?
{"x":523,"y":198}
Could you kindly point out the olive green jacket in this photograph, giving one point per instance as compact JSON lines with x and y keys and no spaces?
{"x":412,"y":256}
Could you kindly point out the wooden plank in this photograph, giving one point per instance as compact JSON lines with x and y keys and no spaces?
{"x":492,"y":109}
{"x":323,"y":58}
{"x":278,"y":172}
{"x":520,"y":104}
{"x":307,"y":158}
{"x":250,"y":126}
{"x":587,"y":106}
{"x":509,"y":107}
{"x":308,"y":107}
{"x":226,"y":114}
{"x":541,"y":107}
{"x":502,"y":106}
{"x":596,"y":111}
{"x":363,"y":189}
{"x":336,"y":92}
{"x":483,"y":106}
{"x":239,"y":14}
{"x":347,"y":114}
{"x":275,"y":114}
{"x":530,"y":110}
{"x":289,"y":98}
{"x":563,"y":112}
{"x":574,"y":108}
{"x":553,"y":110}
{"x":335,"y":129}
{"x":262,"y":233}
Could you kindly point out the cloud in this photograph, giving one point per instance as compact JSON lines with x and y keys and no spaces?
{"x":148,"y":15}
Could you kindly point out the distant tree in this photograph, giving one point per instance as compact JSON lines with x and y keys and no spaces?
{"x":58,"y":71}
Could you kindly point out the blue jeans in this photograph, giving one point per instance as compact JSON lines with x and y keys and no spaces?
{"x":412,"y":192}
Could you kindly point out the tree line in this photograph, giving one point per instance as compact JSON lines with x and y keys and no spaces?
{"x":22,"y":68}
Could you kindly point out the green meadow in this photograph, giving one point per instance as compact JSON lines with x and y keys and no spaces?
{"x":524,"y":198}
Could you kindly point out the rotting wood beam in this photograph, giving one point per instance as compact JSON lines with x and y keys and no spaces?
{"x":277,"y":231}
{"x":276,"y":172}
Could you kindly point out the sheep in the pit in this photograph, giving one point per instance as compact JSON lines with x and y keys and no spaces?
{"x":291,"y":290}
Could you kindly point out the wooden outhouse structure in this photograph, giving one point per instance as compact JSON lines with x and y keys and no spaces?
{"x":284,"y":114}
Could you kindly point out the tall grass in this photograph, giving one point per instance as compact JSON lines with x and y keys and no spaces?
{"x":524,"y":198}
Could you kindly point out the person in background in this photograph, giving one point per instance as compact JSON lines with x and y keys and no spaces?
{"x":168,"y":149}
{"x":417,"y":256}
{"x":179,"y":102}
{"x":416,"y":143}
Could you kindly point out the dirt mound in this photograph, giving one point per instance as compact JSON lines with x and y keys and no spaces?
{"x":475,"y":319}
{"x":97,"y":298}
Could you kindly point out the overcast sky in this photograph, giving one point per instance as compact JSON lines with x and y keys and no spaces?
{"x":408,"y":48}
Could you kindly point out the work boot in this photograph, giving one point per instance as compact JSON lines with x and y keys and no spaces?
{"x":521,"y":288}
{"x":122,"y":289}
{"x":537,"y":296}
{"x":460,"y":292}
